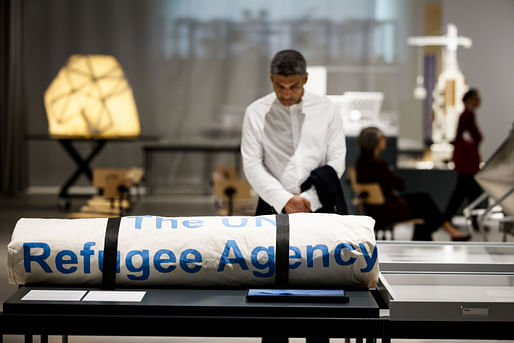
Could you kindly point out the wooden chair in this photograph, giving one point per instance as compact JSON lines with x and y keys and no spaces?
{"x":370,"y":194}
{"x":114,"y":187}
{"x":233,"y":195}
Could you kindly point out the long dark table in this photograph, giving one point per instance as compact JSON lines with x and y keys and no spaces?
{"x":227,"y":313}
{"x":207,"y":148}
{"x":82,"y":161}
{"x":192,"y":312}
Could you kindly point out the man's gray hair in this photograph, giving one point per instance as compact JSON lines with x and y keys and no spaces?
{"x":288,"y":62}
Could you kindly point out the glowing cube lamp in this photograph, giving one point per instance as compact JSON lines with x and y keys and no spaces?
{"x":91,"y":98}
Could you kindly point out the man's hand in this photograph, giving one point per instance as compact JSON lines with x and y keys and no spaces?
{"x":297,"y":204}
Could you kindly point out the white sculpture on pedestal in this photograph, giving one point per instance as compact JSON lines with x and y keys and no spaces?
{"x":448,"y":91}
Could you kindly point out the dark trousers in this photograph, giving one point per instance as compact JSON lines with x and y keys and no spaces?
{"x":423,"y":206}
{"x":466,"y":189}
{"x":263,"y":208}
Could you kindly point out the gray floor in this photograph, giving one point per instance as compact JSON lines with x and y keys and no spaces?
{"x":46,"y":206}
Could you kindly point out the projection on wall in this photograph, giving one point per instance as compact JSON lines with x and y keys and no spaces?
{"x":91,"y":98}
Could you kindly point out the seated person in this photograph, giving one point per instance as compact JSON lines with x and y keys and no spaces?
{"x":370,"y":169}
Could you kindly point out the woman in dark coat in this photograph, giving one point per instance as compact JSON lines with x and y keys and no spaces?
{"x":466,"y":156}
{"x":370,"y":168}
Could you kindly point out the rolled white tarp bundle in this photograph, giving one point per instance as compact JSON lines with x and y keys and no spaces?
{"x":297,"y":250}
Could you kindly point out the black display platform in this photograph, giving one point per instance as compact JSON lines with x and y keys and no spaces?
{"x":226,"y":313}
{"x":191,"y":302}
{"x":192,"y":312}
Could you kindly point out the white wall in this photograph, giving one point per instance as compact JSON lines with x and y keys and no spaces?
{"x":489,"y":64}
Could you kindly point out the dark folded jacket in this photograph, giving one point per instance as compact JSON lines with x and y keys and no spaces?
{"x":329,"y":190}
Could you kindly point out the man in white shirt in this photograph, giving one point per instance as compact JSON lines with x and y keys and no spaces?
{"x":286,"y":135}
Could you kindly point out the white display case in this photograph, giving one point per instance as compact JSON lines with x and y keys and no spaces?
{"x":448,"y":257}
{"x":448,"y":297}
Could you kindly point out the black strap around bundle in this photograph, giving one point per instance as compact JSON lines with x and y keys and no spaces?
{"x":282,"y":251}
{"x":110,"y":253}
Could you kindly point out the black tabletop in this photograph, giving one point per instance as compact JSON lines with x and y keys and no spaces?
{"x":190,"y":302}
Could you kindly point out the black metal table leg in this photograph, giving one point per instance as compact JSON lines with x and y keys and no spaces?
{"x":82,"y":163}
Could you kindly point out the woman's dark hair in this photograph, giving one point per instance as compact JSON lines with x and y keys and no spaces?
{"x":368,"y":140}
{"x":288,"y":62}
{"x":473,"y":92}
